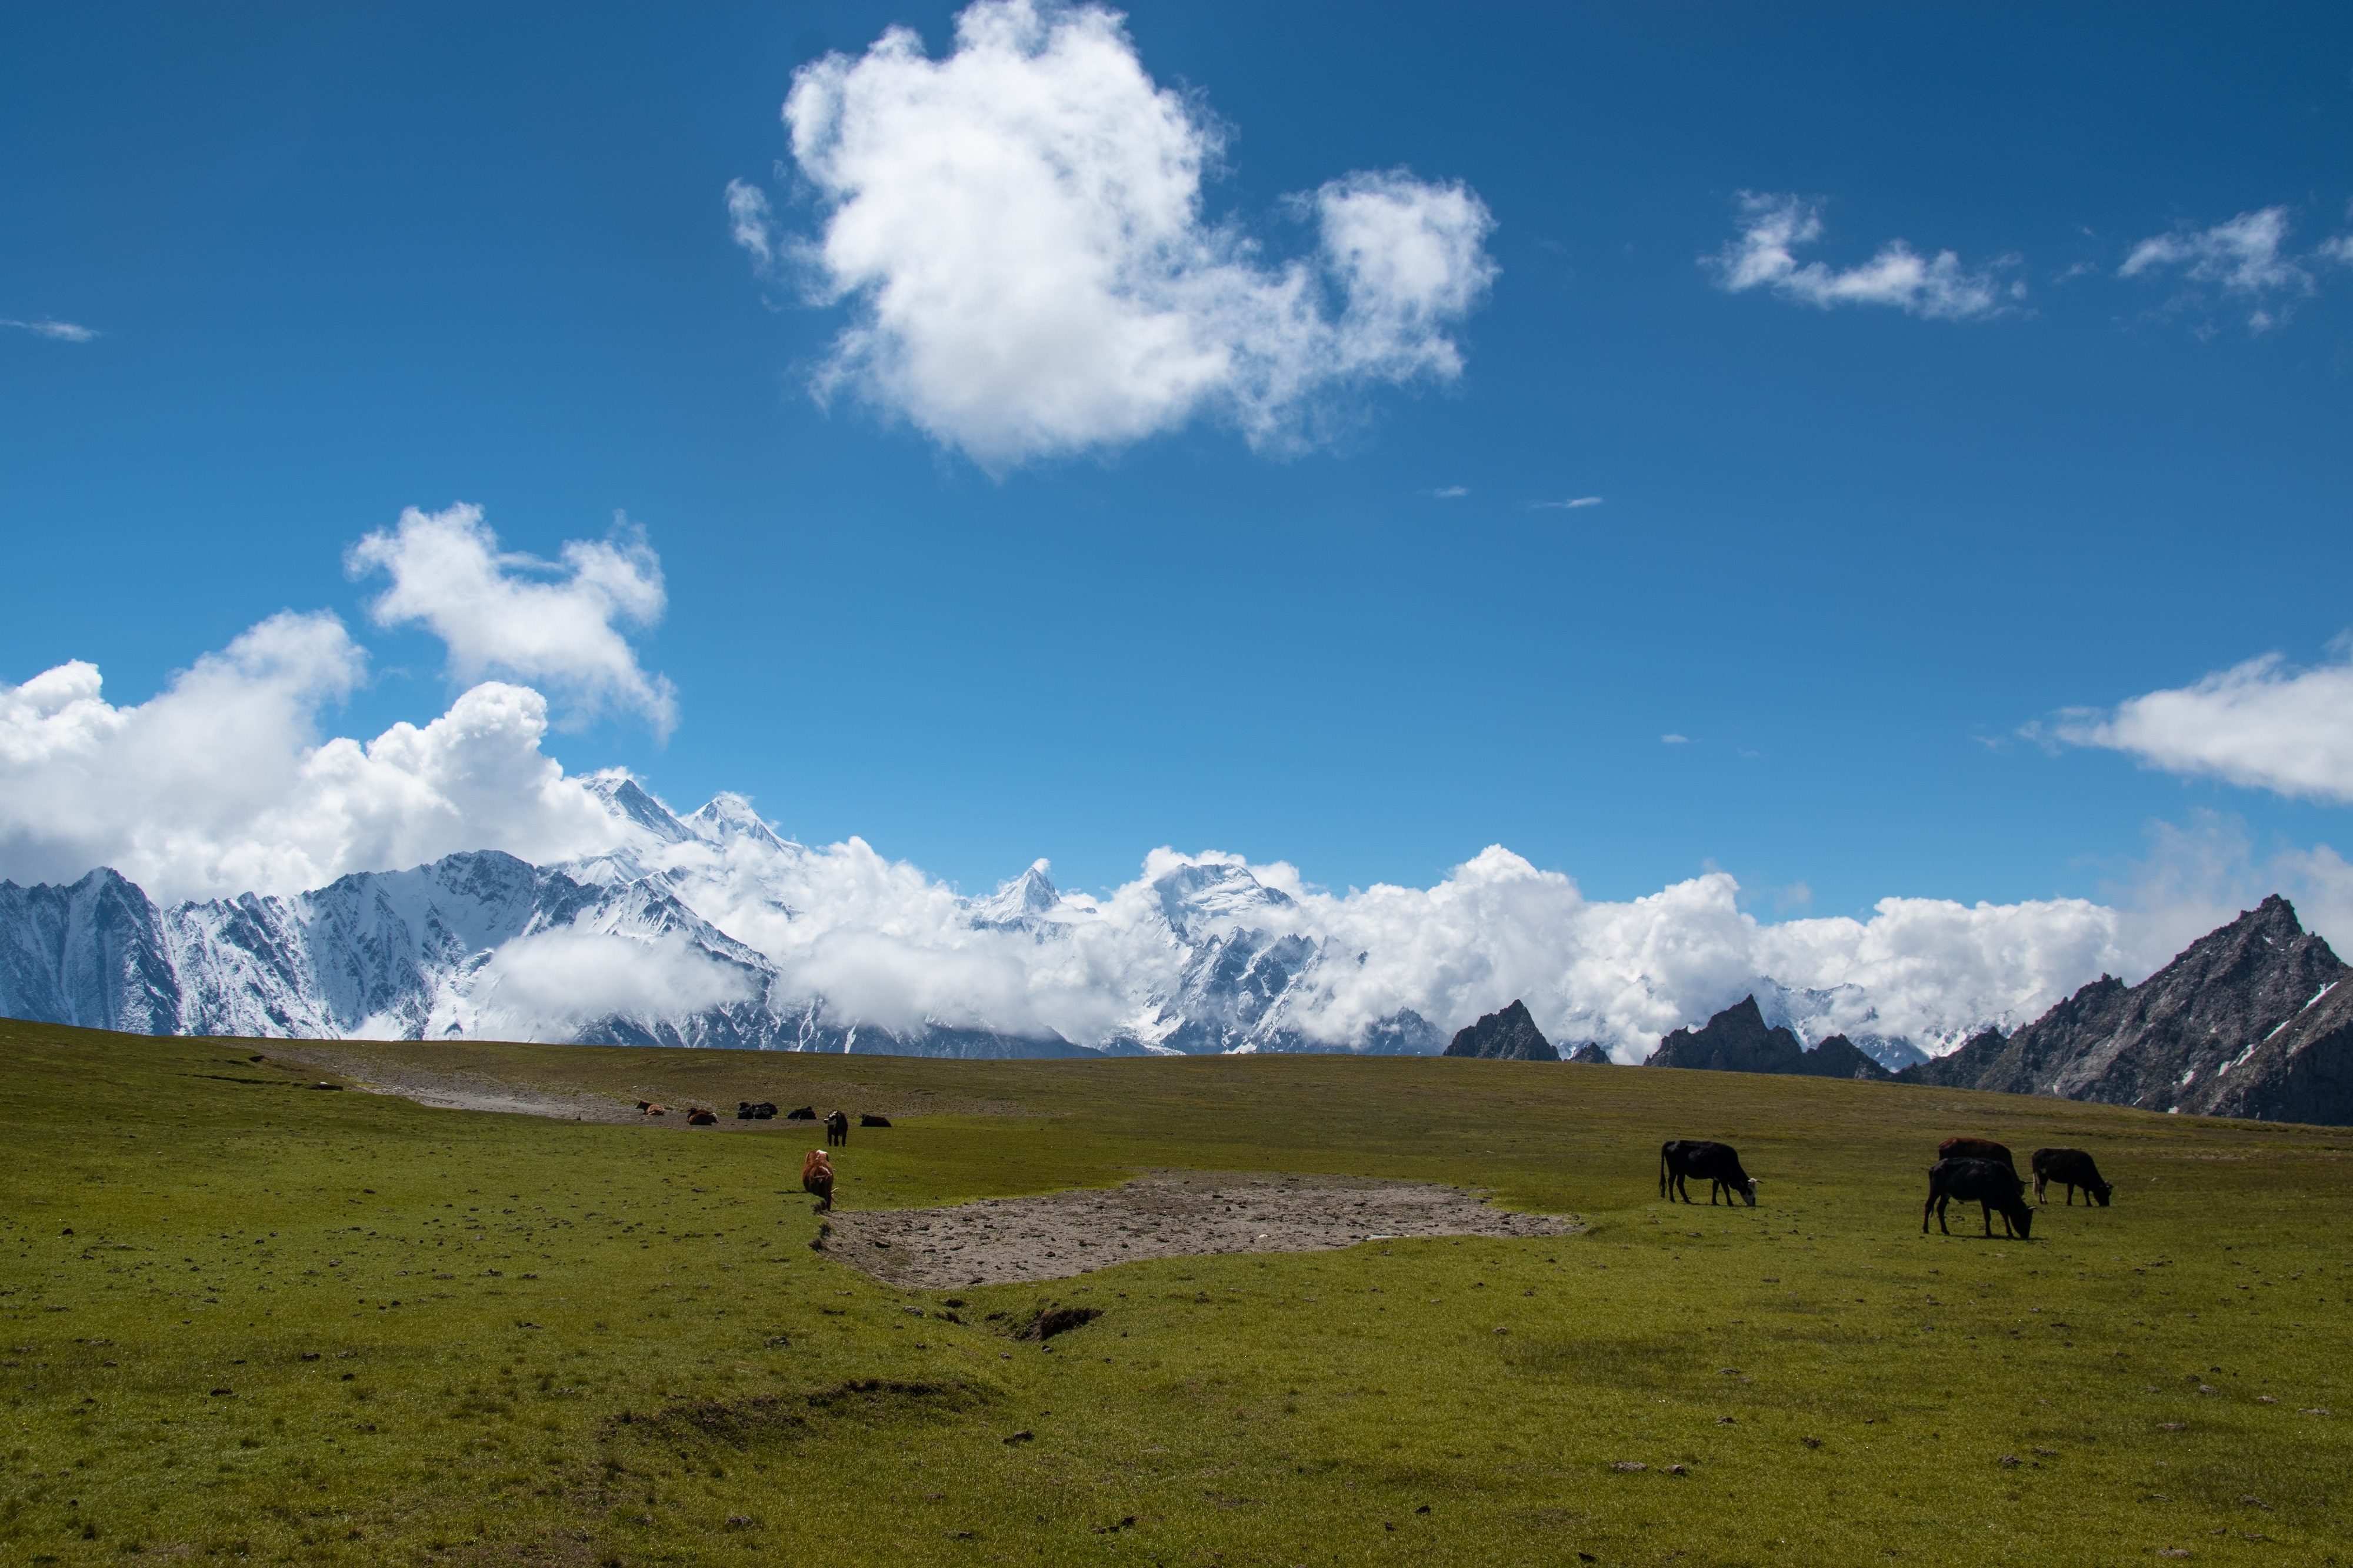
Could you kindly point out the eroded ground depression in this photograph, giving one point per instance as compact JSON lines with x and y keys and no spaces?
{"x":1162,"y":1214}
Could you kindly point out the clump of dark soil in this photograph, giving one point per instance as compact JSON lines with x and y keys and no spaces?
{"x":768,"y":1418}
{"x":1051,"y":1321}
{"x":1163,"y":1213}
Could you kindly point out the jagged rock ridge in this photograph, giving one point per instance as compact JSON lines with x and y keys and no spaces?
{"x":1738,"y":1040}
{"x":1508,"y":1035}
{"x":2252,"y":1019}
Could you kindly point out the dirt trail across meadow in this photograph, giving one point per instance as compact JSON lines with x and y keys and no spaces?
{"x":1162,"y":1214}
{"x":462,"y":1091}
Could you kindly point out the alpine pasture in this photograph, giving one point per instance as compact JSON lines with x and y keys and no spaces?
{"x":247,"y":1320}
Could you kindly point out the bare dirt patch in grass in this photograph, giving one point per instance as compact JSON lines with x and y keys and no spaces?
{"x":462,"y":1091}
{"x":1162,"y":1214}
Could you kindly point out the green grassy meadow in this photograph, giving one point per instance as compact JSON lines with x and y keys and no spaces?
{"x":244,"y":1320}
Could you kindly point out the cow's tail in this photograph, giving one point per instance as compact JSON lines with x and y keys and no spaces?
{"x":1663,"y":1170}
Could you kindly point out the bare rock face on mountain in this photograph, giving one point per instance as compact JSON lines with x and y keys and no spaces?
{"x":1508,"y":1036}
{"x":1738,"y":1040}
{"x":1735,"y":1040}
{"x":1590,"y":1054}
{"x":1839,"y":1057}
{"x":2252,"y":1019}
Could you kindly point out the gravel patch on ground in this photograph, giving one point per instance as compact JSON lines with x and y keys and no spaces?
{"x":1162,"y":1214}
{"x":468,"y":1091}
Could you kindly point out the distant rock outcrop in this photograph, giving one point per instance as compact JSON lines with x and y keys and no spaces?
{"x":1591,"y":1054}
{"x":1508,"y":1036}
{"x":2252,"y":1019}
{"x":1738,"y":1040}
{"x":1838,"y":1057}
{"x":1735,"y":1040}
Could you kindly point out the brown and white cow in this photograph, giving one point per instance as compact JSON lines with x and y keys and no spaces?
{"x":817,"y":1176}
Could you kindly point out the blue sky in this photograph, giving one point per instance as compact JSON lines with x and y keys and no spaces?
{"x":342,"y":264}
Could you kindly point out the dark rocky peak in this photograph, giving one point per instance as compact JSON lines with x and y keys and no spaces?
{"x":2249,"y":1020}
{"x":1961,"y":1067}
{"x":1591,"y":1054}
{"x":1735,"y":1040}
{"x":1510,"y":1035}
{"x":1838,"y":1057}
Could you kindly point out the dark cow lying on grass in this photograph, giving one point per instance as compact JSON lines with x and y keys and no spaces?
{"x":836,"y":1128}
{"x":1975,"y":1149}
{"x":817,"y":1176}
{"x":1719,"y":1164}
{"x":868,"y":1119}
{"x":1987,"y":1183}
{"x":747,"y":1112}
{"x":2070,"y":1168}
{"x":701,"y":1116}
{"x":806,"y":1113}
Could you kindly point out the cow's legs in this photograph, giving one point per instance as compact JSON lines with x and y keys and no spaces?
{"x":1928,"y":1209}
{"x":2039,"y":1179}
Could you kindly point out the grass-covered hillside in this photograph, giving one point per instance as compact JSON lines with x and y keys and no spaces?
{"x":245,"y":1320}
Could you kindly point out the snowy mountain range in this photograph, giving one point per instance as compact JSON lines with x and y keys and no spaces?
{"x":711,"y":930}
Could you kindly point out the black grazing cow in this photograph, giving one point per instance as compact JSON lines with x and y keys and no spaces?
{"x":2070,"y":1168}
{"x":806,"y":1113}
{"x":1719,"y":1164}
{"x":1987,"y":1183}
{"x":1975,"y":1149}
{"x":837,"y":1129}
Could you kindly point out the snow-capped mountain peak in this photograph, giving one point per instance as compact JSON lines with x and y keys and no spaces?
{"x":1198,"y":896}
{"x":1029,"y":897}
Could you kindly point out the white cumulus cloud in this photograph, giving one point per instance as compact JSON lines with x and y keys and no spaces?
{"x":1019,"y":232}
{"x":2264,"y":724}
{"x":541,"y":984}
{"x":222,"y":784}
{"x":226,"y":782}
{"x":510,"y":614}
{"x":1774,"y":226}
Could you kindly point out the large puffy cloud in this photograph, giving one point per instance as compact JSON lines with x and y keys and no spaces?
{"x":1018,"y":228}
{"x":884,"y":944}
{"x":1774,"y":226}
{"x":1624,"y":973}
{"x":225,"y":783}
{"x":221,"y":783}
{"x":551,"y":982}
{"x":2264,"y":724}
{"x":505,"y":613}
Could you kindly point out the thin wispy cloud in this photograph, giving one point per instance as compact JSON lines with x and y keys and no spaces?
{"x":1572,"y":504}
{"x":1017,"y":232}
{"x":2245,"y":257}
{"x":1451,"y":492}
{"x":1774,"y":226}
{"x":63,"y":331}
{"x":1671,"y":739}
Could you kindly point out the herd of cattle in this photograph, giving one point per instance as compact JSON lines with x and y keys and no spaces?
{"x":816,"y":1171}
{"x":1970,"y":1170}
{"x":836,"y":1126}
